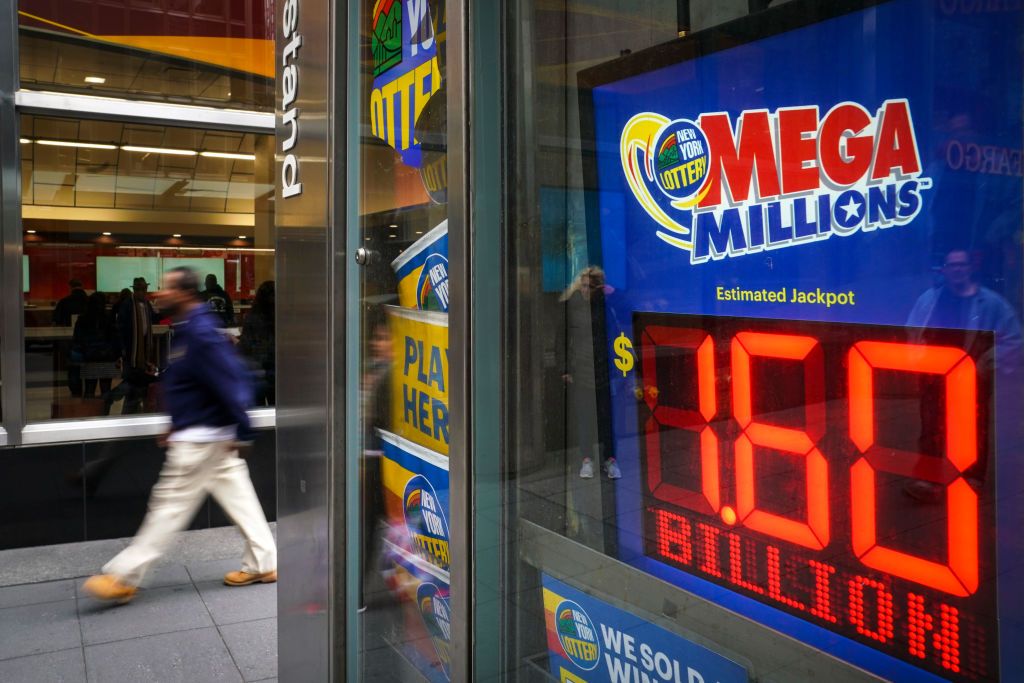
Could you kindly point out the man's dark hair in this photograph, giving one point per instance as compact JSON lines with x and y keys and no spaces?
{"x":75,"y":284}
{"x":188,"y":280}
{"x":211,"y":278}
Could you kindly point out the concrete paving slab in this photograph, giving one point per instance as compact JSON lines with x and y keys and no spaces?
{"x":213,"y":570}
{"x":182,"y":657}
{"x":161,"y":610}
{"x":36,"y":593}
{"x":233,"y":604}
{"x":35,"y":629}
{"x":253,"y":645}
{"x":55,"y":562}
{"x":65,"y":666}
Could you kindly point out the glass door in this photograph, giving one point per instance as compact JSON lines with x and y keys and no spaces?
{"x":403,"y":296}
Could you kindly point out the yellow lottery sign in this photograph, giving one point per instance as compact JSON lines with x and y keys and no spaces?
{"x":419,"y":384}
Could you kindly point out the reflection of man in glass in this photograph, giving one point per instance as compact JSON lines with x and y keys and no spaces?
{"x":135,"y":320}
{"x":960,"y":303}
{"x":375,"y":400}
{"x":586,"y":370}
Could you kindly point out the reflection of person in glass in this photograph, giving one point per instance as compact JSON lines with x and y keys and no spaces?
{"x":135,"y":320}
{"x":64,"y":315}
{"x":94,"y":345}
{"x":257,"y":343}
{"x":586,"y":369}
{"x":219,"y":301}
{"x":375,"y":399}
{"x":960,"y":303}
{"x":70,"y":306}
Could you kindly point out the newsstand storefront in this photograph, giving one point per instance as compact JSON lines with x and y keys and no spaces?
{"x":650,"y":341}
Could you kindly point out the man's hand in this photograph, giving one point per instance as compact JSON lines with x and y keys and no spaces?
{"x":243,"y":448}
{"x":161,"y":440}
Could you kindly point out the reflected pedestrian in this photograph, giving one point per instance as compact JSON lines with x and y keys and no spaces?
{"x":94,"y":345}
{"x":206,"y":391}
{"x":257,"y":343}
{"x":219,"y":301}
{"x":135,"y":320}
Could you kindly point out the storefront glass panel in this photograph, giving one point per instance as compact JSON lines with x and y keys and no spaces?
{"x":107,"y":208}
{"x":404,"y":630}
{"x":764,"y":279}
{"x":215,"y":53}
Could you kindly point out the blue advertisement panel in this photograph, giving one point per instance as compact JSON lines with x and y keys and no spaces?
{"x":589,"y":641}
{"x":809,"y":225}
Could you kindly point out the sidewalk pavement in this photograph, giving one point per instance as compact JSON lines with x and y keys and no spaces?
{"x":185,"y":625}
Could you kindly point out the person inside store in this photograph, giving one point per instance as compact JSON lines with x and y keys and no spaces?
{"x":206,"y":390}
{"x":219,"y":301}
{"x":135,"y":320}
{"x":95,"y":346}
{"x":958,"y":302}
{"x":65,"y":313}
{"x":70,"y":306}
{"x":256,"y":343}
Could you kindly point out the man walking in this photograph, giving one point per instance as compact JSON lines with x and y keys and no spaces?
{"x":206,"y":391}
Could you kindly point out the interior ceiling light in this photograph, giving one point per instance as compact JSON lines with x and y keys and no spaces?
{"x":393,"y":225}
{"x":68,"y":143}
{"x":98,"y":80}
{"x":241,"y":237}
{"x":175,"y":235}
{"x":26,"y":141}
{"x":106,"y":234}
{"x":31,"y":232}
{"x":160,"y":150}
{"x":228,"y":155}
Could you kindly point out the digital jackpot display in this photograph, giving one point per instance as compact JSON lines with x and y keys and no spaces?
{"x":838,"y":472}
{"x":811,"y":324}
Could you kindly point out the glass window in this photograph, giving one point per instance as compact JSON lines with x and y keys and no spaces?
{"x":766,"y":353}
{"x":107,"y":207}
{"x":216,"y":53}
{"x":404,"y":345}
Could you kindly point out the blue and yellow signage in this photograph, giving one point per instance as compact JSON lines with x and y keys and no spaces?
{"x":419,"y":390}
{"x":406,"y":72}
{"x":589,"y":641}
{"x":422,"y":272}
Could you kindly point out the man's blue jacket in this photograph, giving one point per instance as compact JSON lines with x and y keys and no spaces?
{"x":205,"y":384}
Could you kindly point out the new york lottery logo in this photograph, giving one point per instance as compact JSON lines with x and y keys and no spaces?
{"x":720,"y":187}
{"x":432,"y":288}
{"x":577,"y":634}
{"x":425,"y":522}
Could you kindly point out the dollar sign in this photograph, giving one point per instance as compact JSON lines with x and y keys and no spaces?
{"x":624,"y":351}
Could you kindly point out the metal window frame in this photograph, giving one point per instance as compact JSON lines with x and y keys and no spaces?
{"x":460,"y":338}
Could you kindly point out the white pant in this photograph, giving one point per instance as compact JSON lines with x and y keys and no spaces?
{"x":190,"y":471}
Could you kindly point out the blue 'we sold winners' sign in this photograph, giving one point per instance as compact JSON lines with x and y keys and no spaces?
{"x":590,"y":641}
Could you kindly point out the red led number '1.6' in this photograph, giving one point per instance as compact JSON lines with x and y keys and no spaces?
{"x":803,"y":493}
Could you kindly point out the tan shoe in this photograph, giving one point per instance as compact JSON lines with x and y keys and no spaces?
{"x":109,"y":587}
{"x":244,"y":578}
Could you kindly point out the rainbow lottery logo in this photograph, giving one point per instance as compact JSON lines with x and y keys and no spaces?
{"x":432,"y":287}
{"x":725,"y":185}
{"x":577,"y":634}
